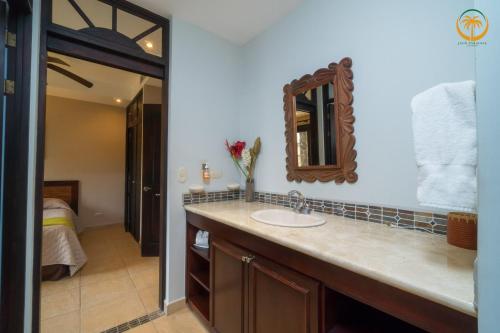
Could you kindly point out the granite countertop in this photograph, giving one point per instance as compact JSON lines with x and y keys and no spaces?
{"x":419,"y":263}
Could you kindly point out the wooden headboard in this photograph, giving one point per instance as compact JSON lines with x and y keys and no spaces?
{"x":66,"y":190}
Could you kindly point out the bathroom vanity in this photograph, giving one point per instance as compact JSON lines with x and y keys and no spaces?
{"x":347,"y":275}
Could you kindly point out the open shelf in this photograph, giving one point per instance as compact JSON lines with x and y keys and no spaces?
{"x":197,"y":275}
{"x":201,"y":305}
{"x":346,"y":315}
{"x":202,"y":278}
{"x":204,"y":253}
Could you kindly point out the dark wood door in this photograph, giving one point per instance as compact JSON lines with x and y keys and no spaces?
{"x":133,"y":169}
{"x":228,"y":285}
{"x":150,"y":242}
{"x":137,"y":186}
{"x":130,"y":180}
{"x":281,"y":300}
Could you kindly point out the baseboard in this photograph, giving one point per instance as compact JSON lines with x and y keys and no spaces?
{"x":175,"y":306}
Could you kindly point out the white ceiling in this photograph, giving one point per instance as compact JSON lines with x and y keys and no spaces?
{"x":236,"y":20}
{"x":109,"y":83}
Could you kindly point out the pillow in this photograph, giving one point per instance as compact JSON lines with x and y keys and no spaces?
{"x":53,"y":203}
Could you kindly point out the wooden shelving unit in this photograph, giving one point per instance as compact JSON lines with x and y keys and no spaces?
{"x":201,"y":252}
{"x":197,"y":275}
{"x":202,"y":278}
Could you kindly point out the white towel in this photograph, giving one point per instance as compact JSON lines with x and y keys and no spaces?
{"x":444,"y":129}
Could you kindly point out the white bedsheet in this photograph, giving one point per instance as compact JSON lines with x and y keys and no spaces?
{"x":60,"y":244}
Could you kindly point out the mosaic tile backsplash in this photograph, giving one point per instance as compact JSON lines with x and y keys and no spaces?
{"x":422,"y":221}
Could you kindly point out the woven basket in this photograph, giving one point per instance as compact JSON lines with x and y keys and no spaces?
{"x":462,"y":230}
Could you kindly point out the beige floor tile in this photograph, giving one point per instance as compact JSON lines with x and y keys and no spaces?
{"x":103,"y":270}
{"x":146,"y":328}
{"x":122,"y":236}
{"x":100,"y":250}
{"x":93,"y":235}
{"x":148,"y":278}
{"x":66,"y":323}
{"x":98,"y":292}
{"x":111,"y":313}
{"x":183,"y":321}
{"x":101,"y":262}
{"x":134,"y":256}
{"x":60,"y":303}
{"x":102,"y":241}
{"x":149,"y":297}
{"x":136,"y":266}
{"x":52,"y":287}
{"x":116,"y":285}
{"x":128,"y":252}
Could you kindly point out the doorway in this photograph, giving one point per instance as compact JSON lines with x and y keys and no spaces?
{"x":143,"y":156}
{"x":89,"y":262}
{"x":107,"y":41}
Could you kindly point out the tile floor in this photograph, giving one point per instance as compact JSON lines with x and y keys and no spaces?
{"x":115,"y":286}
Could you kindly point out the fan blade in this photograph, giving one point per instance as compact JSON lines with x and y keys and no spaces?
{"x":57,"y":61}
{"x":72,"y":76}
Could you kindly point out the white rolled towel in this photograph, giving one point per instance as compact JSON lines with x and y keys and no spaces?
{"x":444,"y":129}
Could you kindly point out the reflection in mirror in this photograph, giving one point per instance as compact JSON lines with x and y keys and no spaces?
{"x":315,"y":119}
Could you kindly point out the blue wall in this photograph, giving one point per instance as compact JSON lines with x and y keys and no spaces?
{"x":218,"y":90}
{"x":488,"y":83}
{"x":399,"y":48}
{"x":203,"y":113}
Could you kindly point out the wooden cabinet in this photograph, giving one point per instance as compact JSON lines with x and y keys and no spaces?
{"x":247,"y":284}
{"x":281,"y":300}
{"x":252,"y":294}
{"x":228,"y":284}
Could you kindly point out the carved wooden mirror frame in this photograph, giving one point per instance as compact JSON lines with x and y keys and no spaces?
{"x":345,"y":169}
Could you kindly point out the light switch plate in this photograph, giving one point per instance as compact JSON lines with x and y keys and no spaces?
{"x":216,"y":174}
{"x":182,"y":175}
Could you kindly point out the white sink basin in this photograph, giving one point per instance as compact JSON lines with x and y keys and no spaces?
{"x":286,"y":218}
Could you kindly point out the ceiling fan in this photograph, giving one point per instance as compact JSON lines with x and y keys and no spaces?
{"x":53,"y":62}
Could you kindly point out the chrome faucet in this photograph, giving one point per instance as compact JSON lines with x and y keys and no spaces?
{"x":301,"y":206}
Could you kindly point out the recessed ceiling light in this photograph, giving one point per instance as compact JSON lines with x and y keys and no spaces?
{"x":118,"y":100}
{"x":149,"y":45}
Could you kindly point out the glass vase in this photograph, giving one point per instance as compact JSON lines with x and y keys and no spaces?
{"x":250,"y":191}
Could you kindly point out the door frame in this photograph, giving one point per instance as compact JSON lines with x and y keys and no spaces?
{"x":16,"y":136}
{"x":67,"y":43}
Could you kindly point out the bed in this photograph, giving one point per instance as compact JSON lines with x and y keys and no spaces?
{"x":62,"y":253}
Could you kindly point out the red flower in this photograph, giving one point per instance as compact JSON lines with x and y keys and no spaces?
{"x":236,"y":148}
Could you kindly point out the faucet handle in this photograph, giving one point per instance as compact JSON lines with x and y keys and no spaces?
{"x":306,"y":209}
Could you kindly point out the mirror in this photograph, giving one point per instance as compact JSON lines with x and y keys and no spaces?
{"x":315,"y":118}
{"x":319,"y":125}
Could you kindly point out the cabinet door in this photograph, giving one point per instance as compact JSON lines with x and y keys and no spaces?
{"x":281,"y":300}
{"x":228,"y":285}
